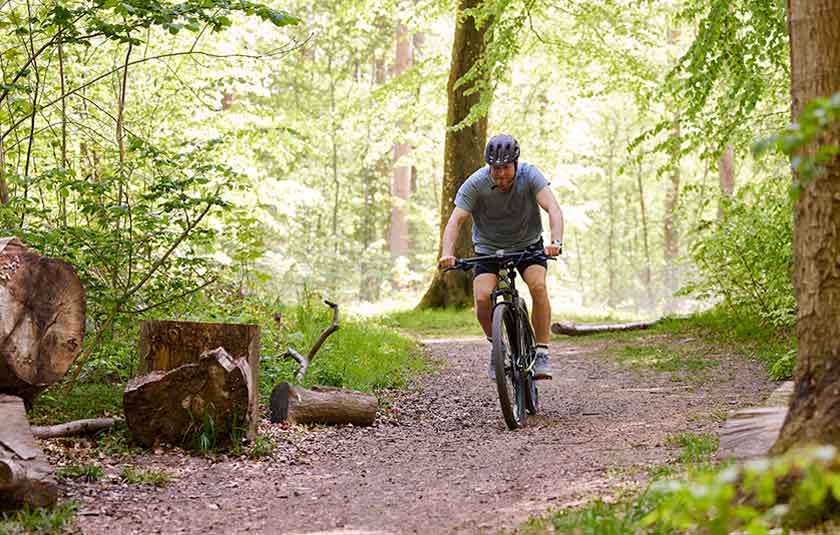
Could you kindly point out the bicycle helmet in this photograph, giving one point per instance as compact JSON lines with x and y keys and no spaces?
{"x":501,"y":149}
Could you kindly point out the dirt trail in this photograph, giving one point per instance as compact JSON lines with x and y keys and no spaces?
{"x":440,"y":460}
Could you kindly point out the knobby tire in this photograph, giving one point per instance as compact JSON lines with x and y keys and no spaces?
{"x":528,"y":345}
{"x":509,"y":380}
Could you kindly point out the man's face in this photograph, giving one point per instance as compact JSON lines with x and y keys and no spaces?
{"x":503,"y":176}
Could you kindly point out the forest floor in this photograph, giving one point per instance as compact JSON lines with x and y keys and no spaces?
{"x":440,"y":458}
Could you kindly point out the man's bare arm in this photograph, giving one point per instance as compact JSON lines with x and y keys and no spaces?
{"x":450,"y":235}
{"x":548,"y":202}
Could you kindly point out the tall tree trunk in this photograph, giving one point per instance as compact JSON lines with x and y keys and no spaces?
{"x":611,"y":269}
{"x":814,"y":414}
{"x":671,"y":222}
{"x":401,"y":183}
{"x":726,"y":173}
{"x":647,"y":271}
{"x":462,"y":154}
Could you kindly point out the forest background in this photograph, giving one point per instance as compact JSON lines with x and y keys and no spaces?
{"x":222,"y":160}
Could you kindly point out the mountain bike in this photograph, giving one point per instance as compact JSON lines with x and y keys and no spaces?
{"x":514,"y":348}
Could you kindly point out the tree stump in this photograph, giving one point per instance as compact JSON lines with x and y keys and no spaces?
{"x":166,"y":345}
{"x":323,"y":405}
{"x":212,"y":396}
{"x":42,"y":319}
{"x":25,"y":475}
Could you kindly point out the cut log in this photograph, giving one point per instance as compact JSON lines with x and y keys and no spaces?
{"x":177,"y":405}
{"x":574,"y":329}
{"x":75,"y":428}
{"x":323,"y":405}
{"x":166,"y":345}
{"x":25,"y":475}
{"x":42,"y":319}
{"x":751,"y":432}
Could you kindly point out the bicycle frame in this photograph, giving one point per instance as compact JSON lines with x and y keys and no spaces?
{"x":506,"y":293}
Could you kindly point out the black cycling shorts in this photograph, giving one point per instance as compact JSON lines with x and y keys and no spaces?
{"x":492,"y":265}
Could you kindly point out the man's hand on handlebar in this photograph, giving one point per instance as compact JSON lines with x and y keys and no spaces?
{"x":552,"y":250}
{"x":446,"y":262}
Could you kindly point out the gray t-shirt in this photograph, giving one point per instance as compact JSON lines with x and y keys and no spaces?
{"x":507,"y":221}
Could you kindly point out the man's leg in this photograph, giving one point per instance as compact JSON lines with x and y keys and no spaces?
{"x":483,"y":286}
{"x":534,"y":276}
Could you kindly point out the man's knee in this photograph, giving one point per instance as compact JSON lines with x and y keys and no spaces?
{"x":538,"y":288}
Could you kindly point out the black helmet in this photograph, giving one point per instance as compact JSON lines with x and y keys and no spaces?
{"x":501,"y":149}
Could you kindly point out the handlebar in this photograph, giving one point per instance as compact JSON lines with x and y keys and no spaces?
{"x":465,"y":264}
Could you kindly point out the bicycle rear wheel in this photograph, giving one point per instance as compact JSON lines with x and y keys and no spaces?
{"x":510,"y":379}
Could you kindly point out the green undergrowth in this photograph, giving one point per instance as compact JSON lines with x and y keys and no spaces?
{"x":85,"y":400}
{"x":795,"y":493}
{"x":683,"y":345}
{"x":134,"y":476}
{"x":625,"y":512}
{"x":57,"y":520}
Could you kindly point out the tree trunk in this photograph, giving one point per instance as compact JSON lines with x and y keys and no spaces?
{"x":42,"y":319}
{"x":401,"y":183}
{"x":726,"y":173}
{"x":25,"y":475}
{"x":647,"y":271}
{"x":211,"y":396}
{"x":462,"y":154}
{"x":166,"y":345}
{"x":611,"y":267}
{"x":814,"y":414}
{"x":671,"y":222}
{"x":333,"y":406}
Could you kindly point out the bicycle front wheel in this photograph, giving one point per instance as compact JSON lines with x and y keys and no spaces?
{"x":509,"y":377}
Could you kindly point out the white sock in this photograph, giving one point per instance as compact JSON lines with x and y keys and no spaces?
{"x":542,"y":349}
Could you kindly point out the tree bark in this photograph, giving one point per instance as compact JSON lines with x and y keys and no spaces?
{"x":42,"y":319}
{"x":25,"y":475}
{"x":166,"y":345}
{"x":462,"y":155}
{"x":177,"y":405}
{"x":647,"y":271}
{"x":322,"y":405}
{"x":726,"y":174}
{"x":814,"y":414}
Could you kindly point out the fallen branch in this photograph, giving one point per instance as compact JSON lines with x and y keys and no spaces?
{"x":573,"y":329}
{"x":307,"y":360}
{"x":75,"y":428}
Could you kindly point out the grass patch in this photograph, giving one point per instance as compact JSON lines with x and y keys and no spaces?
{"x":86,"y":400}
{"x":682,"y":362}
{"x":133,"y":476}
{"x":84,"y":472}
{"x":696,"y":448}
{"x":362,"y":355}
{"x":44,"y":521}
{"x":435,"y":322}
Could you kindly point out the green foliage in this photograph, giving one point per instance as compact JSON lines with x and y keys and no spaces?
{"x":818,"y":116}
{"x":752,"y":498}
{"x":85,"y":472}
{"x":133,"y":476}
{"x":695,"y":448}
{"x":745,"y":257}
{"x":85,"y":400}
{"x":781,"y":368}
{"x":57,"y":520}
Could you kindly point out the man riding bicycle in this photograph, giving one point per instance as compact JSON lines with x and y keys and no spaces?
{"x":504,"y":200}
